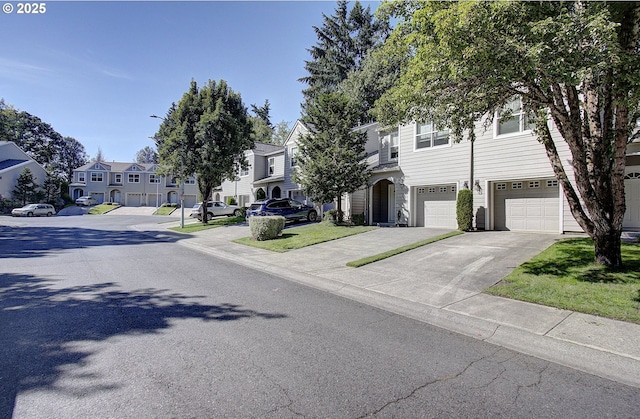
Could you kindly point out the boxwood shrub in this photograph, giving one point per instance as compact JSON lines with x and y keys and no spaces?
{"x":267,"y":227}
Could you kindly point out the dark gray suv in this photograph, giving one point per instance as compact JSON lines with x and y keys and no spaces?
{"x":288,"y":208}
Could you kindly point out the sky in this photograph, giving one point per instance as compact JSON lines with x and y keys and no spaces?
{"x":97,"y":70}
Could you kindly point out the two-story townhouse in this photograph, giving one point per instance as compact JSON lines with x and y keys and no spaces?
{"x":13,"y":160}
{"x":507,"y":169}
{"x":130,"y":184}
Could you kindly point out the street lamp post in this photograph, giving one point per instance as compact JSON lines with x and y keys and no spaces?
{"x":181,"y":181}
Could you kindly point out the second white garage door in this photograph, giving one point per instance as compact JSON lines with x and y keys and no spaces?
{"x":436,"y":206}
{"x":527,"y":205}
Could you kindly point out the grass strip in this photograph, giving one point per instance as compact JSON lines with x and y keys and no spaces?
{"x":198,"y":226}
{"x":297,"y":237}
{"x":102,"y":209}
{"x":565,"y":276}
{"x":165,"y":211}
{"x":380,"y":256}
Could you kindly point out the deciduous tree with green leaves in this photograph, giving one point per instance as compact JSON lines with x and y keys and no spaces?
{"x":575,"y":63}
{"x":205,"y":134}
{"x":331,"y":158}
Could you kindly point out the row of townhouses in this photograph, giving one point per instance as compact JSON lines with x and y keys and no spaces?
{"x":417,"y":173}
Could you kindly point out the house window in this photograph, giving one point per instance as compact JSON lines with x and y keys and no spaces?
{"x":552,"y":183}
{"x":272,"y":165}
{"x":431,"y":190}
{"x":517,"y":122}
{"x":534,"y":184}
{"x":393,"y":145}
{"x":96,"y":177}
{"x":153,"y":178}
{"x":516,"y":185}
{"x":190,"y":180}
{"x":117,"y":178}
{"x":294,"y":152}
{"x":420,"y":190}
{"x":81,"y":177}
{"x":453,"y":189}
{"x":134,"y":178}
{"x":427,"y":136}
{"x":501,"y":186}
{"x":443,"y":189}
{"x":244,"y":172}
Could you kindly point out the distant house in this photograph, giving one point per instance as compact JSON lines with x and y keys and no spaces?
{"x":130,"y":184}
{"x":12,"y":162}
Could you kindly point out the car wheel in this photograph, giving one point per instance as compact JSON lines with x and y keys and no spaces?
{"x":312,"y":216}
{"x":237,"y":213}
{"x":49,"y":214}
{"x":29,"y":214}
{"x":209,"y":215}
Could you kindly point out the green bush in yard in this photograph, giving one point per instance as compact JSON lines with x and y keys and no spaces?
{"x":357,"y":219}
{"x":464,"y":210}
{"x":267,"y":227}
{"x":331,"y":216}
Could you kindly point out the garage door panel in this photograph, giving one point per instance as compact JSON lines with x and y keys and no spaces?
{"x":527,"y":209}
{"x":440,"y":214}
{"x":632,"y":198}
{"x":436,"y":206}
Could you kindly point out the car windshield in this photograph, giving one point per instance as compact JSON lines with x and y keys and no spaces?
{"x":31,"y":206}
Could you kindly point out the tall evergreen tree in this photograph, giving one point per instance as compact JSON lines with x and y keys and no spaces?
{"x":344,"y":40}
{"x":332,"y":156}
{"x":26,"y":187}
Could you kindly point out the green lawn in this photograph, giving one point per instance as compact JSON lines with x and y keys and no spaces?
{"x":198,"y":226}
{"x":307,"y":235}
{"x":165,"y":211}
{"x":565,"y":276}
{"x":102,"y":208}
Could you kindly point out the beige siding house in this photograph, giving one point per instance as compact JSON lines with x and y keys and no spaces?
{"x":130,"y":184}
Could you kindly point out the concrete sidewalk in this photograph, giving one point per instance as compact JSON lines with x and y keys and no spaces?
{"x":441,"y":284}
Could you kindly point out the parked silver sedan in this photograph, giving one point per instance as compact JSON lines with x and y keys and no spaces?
{"x":34,"y":210}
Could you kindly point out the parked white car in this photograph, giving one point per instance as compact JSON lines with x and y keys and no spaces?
{"x":34,"y":210}
{"x":215,"y":209}
{"x":86,"y":200}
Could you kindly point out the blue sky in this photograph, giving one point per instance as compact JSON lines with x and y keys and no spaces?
{"x":95,"y":71}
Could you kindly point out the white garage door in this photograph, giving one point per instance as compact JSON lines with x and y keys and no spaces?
{"x":527,"y":205}
{"x":436,"y":206}
{"x":632,"y":198}
{"x":134,"y":199}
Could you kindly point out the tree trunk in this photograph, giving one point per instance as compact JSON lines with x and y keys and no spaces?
{"x":339,"y":215}
{"x":607,"y":248}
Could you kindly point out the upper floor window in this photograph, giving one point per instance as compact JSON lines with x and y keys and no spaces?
{"x":153,"y":178}
{"x":519,"y":121}
{"x":190,"y":180}
{"x":392,"y":139}
{"x":134,"y":178}
{"x":81,"y":177}
{"x":272,"y":165}
{"x":117,"y":178}
{"x":428,"y":136}
{"x":96,"y":176}
{"x":294,"y":152}
{"x":244,"y":172}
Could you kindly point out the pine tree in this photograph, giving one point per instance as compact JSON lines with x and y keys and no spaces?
{"x":332,"y":156}
{"x":26,"y":187}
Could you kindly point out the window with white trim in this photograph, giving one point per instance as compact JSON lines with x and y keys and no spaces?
{"x":443,"y":189}
{"x":428,"y":136}
{"x":272,"y":165}
{"x":96,"y":177}
{"x":552,"y":183}
{"x":431,"y":189}
{"x":453,"y":189}
{"x":393,"y":142}
{"x":153,"y":178}
{"x":244,"y":172}
{"x":534,"y":184}
{"x":518,"y":122}
{"x":117,"y":178}
{"x":501,"y":186}
{"x":133,"y":178}
{"x":420,"y":190}
{"x":190,"y":181}
{"x":293,"y":153}
{"x":516,"y":185}
{"x":81,"y":177}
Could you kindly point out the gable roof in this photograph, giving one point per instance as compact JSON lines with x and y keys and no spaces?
{"x":5,"y":164}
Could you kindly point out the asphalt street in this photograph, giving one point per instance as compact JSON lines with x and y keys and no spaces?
{"x":100,"y":320}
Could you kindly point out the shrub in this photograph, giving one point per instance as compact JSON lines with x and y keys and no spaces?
{"x":243,"y":211}
{"x":357,"y":219}
{"x":464,"y":210}
{"x":331,"y":216}
{"x":231,"y":201}
{"x":267,"y":227}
